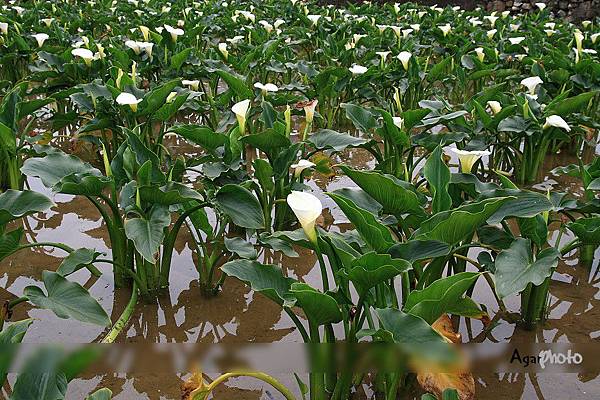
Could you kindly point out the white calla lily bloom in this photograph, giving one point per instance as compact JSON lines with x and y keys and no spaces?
{"x":174,"y":32}
{"x":48,"y":21}
{"x":128,"y":99}
{"x":480,"y":53}
{"x":301,"y":166}
{"x":240,"y":110}
{"x":595,"y":37}
{"x":194,"y":85}
{"x":541,"y":6}
{"x":4,"y":28}
{"x":516,"y":40}
{"x":307,"y":208}
{"x":223,"y":49}
{"x":358,"y":69}
{"x":40,"y":38}
{"x":491,"y":33}
{"x":268,"y":87}
{"x":85,"y":54}
{"x":532,"y":83}
{"x":445,"y":29}
{"x":578,"y":40}
{"x":468,"y":158}
{"x":145,"y":32}
{"x":309,"y":111}
{"x":398,"y":121}
{"x":495,"y":106}
{"x":557,"y":122}
{"x":314,"y":18}
{"x":404,"y":58}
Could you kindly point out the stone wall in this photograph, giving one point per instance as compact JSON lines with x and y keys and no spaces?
{"x":574,"y":9}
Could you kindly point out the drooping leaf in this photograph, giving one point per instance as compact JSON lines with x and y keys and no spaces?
{"x":320,"y":308}
{"x":240,"y":247}
{"x":67,"y":300}
{"x":16,"y":204}
{"x":77,"y":259}
{"x":328,"y":139}
{"x":263,"y":278}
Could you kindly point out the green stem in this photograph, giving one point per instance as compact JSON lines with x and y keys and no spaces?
{"x":124,"y":318}
{"x":202,"y":393}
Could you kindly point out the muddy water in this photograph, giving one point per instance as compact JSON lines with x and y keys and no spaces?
{"x":238,"y":315}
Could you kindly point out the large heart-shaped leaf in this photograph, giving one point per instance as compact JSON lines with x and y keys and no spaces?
{"x":241,"y":206}
{"x":77,"y":259}
{"x":201,"y":135}
{"x":587,"y":230}
{"x":67,"y":300}
{"x":396,"y":197}
{"x":362,"y":118}
{"x":371,"y":230}
{"x":15,"y":204}
{"x":328,"y":139}
{"x":55,"y":166}
{"x":264,"y":278}
{"x":169,"y":194}
{"x":415,"y":250}
{"x":453,"y":226}
{"x":148,"y":233}
{"x":407,"y":328}
{"x":320,"y":308}
{"x":372,"y":269}
{"x":515,"y":267}
{"x":440,"y":297}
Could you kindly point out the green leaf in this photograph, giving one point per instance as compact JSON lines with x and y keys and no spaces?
{"x":376,"y":235}
{"x":237,"y":85}
{"x":371,"y":269}
{"x":438,"y":175}
{"x":396,"y":197}
{"x":157,"y":97}
{"x":360,"y":198}
{"x":362,"y":118}
{"x":328,"y":139}
{"x":41,"y":378}
{"x":454,"y":226}
{"x":268,"y":141}
{"x":241,"y":206}
{"x":170,"y":194}
{"x":240,"y":247}
{"x":439,"y":297}
{"x":534,"y":228}
{"x":570,"y":105}
{"x":148,"y":233}
{"x":416,"y":250}
{"x":515,"y":267}
{"x":77,"y":259}
{"x":9,"y":242}
{"x":407,"y":328}
{"x":67,"y":300}
{"x":178,"y":59}
{"x":16,"y":204}
{"x":201,"y":135}
{"x":52,"y":168}
{"x":14,"y":332}
{"x":587,"y":230}
{"x":320,"y":308}
{"x":263,"y":278}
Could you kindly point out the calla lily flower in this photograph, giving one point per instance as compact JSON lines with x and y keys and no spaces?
{"x":40,"y":38}
{"x":314,"y":18}
{"x":549,"y":32}
{"x":445,"y":29}
{"x":4,"y":28}
{"x":557,"y":122}
{"x":578,"y":40}
{"x":468,"y":158}
{"x":516,"y":40}
{"x":595,"y":37}
{"x":491,"y":33}
{"x":278,"y":23}
{"x":301,"y":166}
{"x":532,"y":83}
{"x":416,"y":27}
{"x":358,"y":69}
{"x":223,"y":50}
{"x":269,"y":87}
{"x":398,"y":121}
{"x":541,"y":6}
{"x":495,"y":106}
{"x":240,"y":109}
{"x":550,"y":25}
{"x":307,"y":209}
{"x":47,"y":21}
{"x":406,"y":32}
{"x":404,"y":58}
{"x":192,"y":84}
{"x":383,"y":55}
{"x":480,"y":53}
{"x":145,"y":32}
{"x":491,"y":19}
{"x":129,"y":100}
{"x":586,"y":23}
{"x":309,"y":111}
{"x":85,"y":54}
{"x":174,"y":32}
